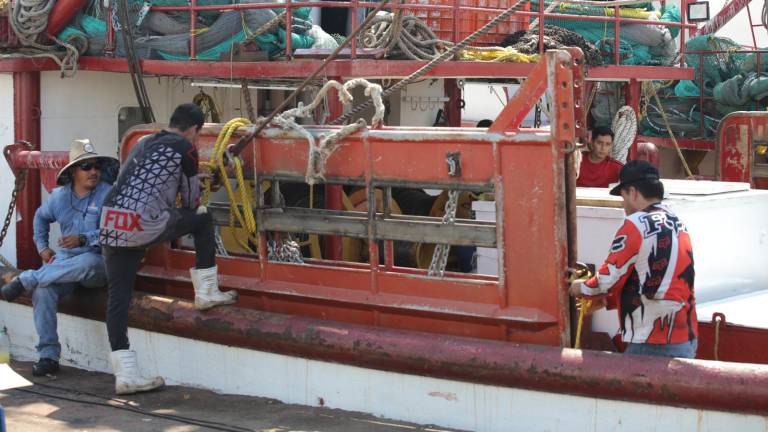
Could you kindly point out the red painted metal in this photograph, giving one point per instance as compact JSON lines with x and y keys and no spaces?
{"x":26,"y":124}
{"x":62,"y":13}
{"x":523,"y":101}
{"x":735,"y":343}
{"x":723,"y":17}
{"x":722,"y":386}
{"x":453,"y":104}
{"x":193,"y":30}
{"x":524,"y":165}
{"x":109,"y":46}
{"x":333,"y":193}
{"x":736,"y":134}
{"x":288,"y":22}
{"x":616,"y":29}
{"x":648,"y":152}
{"x":752,"y":28}
{"x":684,"y":143}
{"x":343,"y":68}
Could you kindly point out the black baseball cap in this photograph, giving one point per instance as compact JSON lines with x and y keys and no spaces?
{"x":635,"y":171}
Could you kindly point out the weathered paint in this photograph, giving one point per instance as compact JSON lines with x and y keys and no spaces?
{"x":395,"y":395}
{"x":26,"y":116}
{"x":732,"y":387}
{"x":529,"y":168}
{"x":736,"y":137}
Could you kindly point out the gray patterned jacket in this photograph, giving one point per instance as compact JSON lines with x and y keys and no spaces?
{"x":142,"y":203}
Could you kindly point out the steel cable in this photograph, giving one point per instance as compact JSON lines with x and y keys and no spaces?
{"x":435,"y":61}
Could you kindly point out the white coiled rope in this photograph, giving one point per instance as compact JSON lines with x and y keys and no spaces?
{"x":29,"y":18}
{"x":624,"y":128}
{"x":319,"y":152}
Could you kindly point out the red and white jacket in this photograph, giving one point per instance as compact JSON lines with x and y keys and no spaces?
{"x":649,"y":276}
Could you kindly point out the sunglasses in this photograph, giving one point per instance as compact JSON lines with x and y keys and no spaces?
{"x":87,"y":166}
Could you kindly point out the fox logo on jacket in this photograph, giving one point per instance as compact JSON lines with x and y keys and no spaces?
{"x":122,"y":220}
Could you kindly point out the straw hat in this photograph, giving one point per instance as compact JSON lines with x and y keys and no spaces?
{"x":80,"y":150}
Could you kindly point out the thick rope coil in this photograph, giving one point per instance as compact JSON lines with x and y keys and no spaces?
{"x":244,"y":216}
{"x":624,"y":128}
{"x":403,"y":36}
{"x":28,"y":19}
{"x":437,"y":60}
{"x":319,"y":152}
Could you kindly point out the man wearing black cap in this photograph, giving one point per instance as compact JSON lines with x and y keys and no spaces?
{"x":649,"y":273}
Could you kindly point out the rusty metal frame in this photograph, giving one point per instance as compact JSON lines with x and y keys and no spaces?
{"x":724,"y":386}
{"x":525,"y":169}
{"x":734,"y":147}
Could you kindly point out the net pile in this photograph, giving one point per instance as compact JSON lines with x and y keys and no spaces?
{"x":166,"y":35}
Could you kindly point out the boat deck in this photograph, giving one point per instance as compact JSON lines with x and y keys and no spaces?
{"x":77,"y":400}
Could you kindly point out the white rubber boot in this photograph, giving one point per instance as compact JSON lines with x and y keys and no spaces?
{"x":207,"y":294}
{"x":127,"y":377}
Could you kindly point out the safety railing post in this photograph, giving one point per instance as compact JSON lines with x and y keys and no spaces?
{"x":353,"y":20}
{"x":541,"y":26}
{"x":109,"y":43}
{"x":456,"y":21}
{"x":192,"y":29}
{"x":683,"y":21}
{"x":616,"y":40}
{"x":288,"y":27}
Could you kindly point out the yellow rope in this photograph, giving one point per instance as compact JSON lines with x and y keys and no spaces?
{"x":584,"y":305}
{"x":497,"y":54}
{"x":244,"y":216}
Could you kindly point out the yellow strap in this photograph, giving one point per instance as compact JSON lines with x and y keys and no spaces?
{"x":584,"y":305}
{"x":244,"y":216}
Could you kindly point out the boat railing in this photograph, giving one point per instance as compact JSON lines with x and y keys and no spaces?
{"x":451,"y":20}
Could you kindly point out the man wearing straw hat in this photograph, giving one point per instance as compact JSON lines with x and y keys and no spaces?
{"x":84,"y":183}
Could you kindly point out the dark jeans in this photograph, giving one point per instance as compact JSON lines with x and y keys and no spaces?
{"x":682,"y":350}
{"x":123,"y":263}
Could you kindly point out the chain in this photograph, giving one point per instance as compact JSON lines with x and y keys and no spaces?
{"x":248,"y":102}
{"x":440,"y":255}
{"x":21,"y":177}
{"x":288,"y":251}
{"x":220,"y":248}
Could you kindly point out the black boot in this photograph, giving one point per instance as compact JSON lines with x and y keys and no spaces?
{"x":45,"y":367}
{"x":12,"y":290}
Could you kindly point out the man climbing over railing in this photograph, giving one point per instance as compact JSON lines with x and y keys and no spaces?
{"x":649,"y":271}
{"x":141,"y":210}
{"x":597,"y":169}
{"x":75,"y":206}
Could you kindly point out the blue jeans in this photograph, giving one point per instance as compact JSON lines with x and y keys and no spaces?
{"x":49,"y":284}
{"x":683,"y":350}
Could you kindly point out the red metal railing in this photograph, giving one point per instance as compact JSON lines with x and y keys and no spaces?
{"x":451,"y":19}
{"x":526,"y":303}
{"x":702,"y":135}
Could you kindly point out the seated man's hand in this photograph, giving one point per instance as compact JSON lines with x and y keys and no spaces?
{"x":47,"y":254}
{"x":69,"y":241}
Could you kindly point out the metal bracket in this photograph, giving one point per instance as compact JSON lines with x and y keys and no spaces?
{"x":453,"y":160}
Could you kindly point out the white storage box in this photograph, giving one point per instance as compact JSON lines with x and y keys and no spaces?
{"x":728,"y":224}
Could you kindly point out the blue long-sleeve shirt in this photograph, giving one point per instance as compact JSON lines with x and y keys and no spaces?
{"x":75,"y":215}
